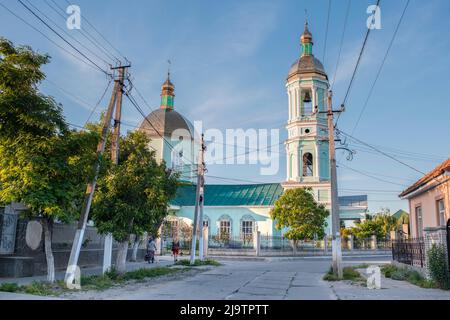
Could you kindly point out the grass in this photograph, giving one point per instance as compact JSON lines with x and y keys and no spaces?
{"x":95,"y":282}
{"x":348,"y":273}
{"x":404,"y":274}
{"x":206,"y":262}
{"x":35,"y":288}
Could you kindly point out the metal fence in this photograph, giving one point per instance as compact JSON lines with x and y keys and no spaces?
{"x":230,"y":242}
{"x":280,"y":243}
{"x":409,"y":251}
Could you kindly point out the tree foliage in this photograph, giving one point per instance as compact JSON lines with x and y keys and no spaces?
{"x":43,"y":164}
{"x":132,"y":197}
{"x":297,"y":211}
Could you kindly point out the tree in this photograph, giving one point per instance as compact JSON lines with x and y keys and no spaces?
{"x":42,"y":164}
{"x":297,"y":211}
{"x":133,"y":196}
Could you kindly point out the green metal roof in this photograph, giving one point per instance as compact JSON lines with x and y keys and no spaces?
{"x":231,"y":195}
{"x":399,"y":214}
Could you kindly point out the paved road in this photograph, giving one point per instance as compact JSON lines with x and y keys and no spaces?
{"x":252,"y":279}
{"x":263,"y":279}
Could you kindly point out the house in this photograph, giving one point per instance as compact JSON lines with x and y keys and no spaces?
{"x":429,"y":200}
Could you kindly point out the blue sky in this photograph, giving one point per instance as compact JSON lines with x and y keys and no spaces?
{"x":230,"y":61}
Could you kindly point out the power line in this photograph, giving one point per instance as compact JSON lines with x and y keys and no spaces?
{"x":85,"y":33}
{"x":99,"y":101}
{"x":326,"y":32}
{"x":371,"y":176}
{"x":356,"y":66}
{"x":47,"y":37}
{"x":66,"y":33}
{"x":342,"y":42}
{"x":100,"y":34}
{"x":382,"y":152}
{"x":62,"y":38}
{"x":381,"y":67}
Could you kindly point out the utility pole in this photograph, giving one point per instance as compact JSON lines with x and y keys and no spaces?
{"x":198,"y":199}
{"x":202,"y":200}
{"x":335,"y":221}
{"x":107,"y":251}
{"x":81,"y":228}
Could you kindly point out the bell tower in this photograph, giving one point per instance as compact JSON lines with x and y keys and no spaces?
{"x":307,"y":143}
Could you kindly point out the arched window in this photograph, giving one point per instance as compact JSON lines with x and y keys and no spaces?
{"x":306,"y":102}
{"x":206,"y":223}
{"x":308,"y":165}
{"x":247,"y":227}
{"x":224,"y":224}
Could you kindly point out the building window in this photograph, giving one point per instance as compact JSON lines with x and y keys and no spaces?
{"x":247,"y":228}
{"x":306,"y":103}
{"x":308,"y":165}
{"x":440,"y":212}
{"x":224,"y":228}
{"x":419,"y":222}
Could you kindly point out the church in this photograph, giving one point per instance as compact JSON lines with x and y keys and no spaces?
{"x":240,"y":210}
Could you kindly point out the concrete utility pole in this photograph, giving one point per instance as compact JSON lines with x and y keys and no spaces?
{"x":107,"y":252}
{"x":335,"y":221}
{"x":202,"y":201}
{"x":198,"y":201}
{"x":79,"y":234}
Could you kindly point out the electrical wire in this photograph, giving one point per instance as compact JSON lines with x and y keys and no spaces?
{"x":62,"y":38}
{"x":381,"y":67}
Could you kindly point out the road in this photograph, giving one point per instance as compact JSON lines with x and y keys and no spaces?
{"x":268,"y":279}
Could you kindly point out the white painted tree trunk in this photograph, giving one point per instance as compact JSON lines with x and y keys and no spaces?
{"x":48,"y":251}
{"x":121,"y":258}
{"x":135,"y":248}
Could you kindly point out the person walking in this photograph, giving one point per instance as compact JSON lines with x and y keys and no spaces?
{"x":151,"y":249}
{"x":175,"y":250}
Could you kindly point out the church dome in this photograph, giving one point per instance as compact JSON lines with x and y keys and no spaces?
{"x":307,"y":63}
{"x":164,"y":122}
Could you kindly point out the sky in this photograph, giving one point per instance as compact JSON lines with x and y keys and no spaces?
{"x":229,"y":63}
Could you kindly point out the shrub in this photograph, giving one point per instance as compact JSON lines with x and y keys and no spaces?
{"x":39,"y":289}
{"x":206,"y":262}
{"x":9,"y":287}
{"x":438,"y":266}
{"x":148,"y":273}
{"x":388,"y":269}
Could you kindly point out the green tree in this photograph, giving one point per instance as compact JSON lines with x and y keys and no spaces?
{"x":133,"y":196}
{"x":42,"y":164}
{"x":303,"y":217}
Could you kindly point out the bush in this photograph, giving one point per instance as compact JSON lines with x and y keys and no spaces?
{"x":388,"y":269}
{"x":348,"y":273}
{"x":9,"y":287}
{"x":438,"y":266}
{"x":206,"y":262}
{"x":39,"y":289}
{"x":404,"y":274}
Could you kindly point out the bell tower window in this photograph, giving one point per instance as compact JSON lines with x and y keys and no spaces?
{"x":308,"y":165}
{"x":307,"y":108}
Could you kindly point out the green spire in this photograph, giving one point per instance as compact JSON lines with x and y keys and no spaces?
{"x":306,"y":41}
{"x":167,"y":94}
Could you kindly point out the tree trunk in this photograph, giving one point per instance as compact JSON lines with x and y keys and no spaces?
{"x":294,"y":248}
{"x":137,"y":240}
{"x":122,"y":256}
{"x":46,"y":223}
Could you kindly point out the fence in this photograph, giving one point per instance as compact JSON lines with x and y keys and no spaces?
{"x":230,"y":242}
{"x":409,"y":251}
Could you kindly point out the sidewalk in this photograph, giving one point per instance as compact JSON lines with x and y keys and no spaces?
{"x":160,"y":261}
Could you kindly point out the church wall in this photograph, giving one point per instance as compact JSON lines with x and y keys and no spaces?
{"x":213,"y":214}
